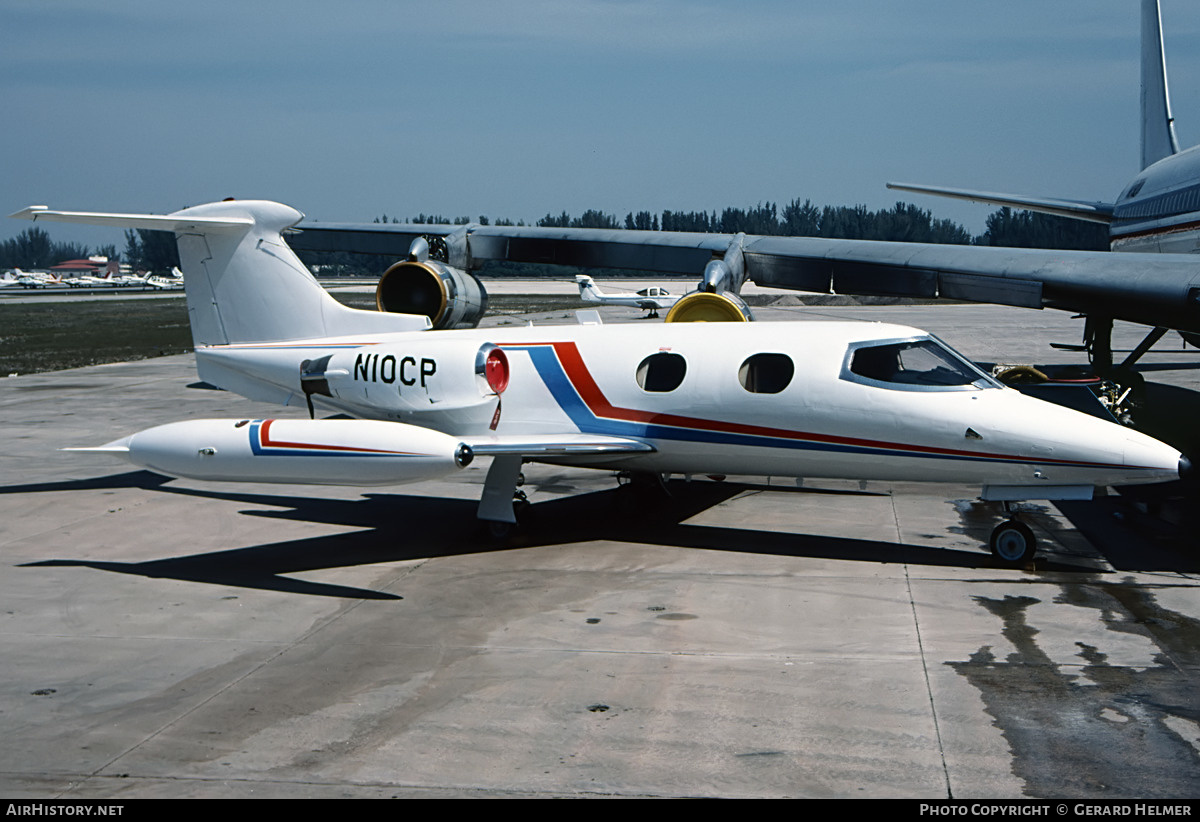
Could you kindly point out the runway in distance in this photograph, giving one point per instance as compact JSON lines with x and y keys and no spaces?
{"x":1158,"y":212}
{"x":652,"y":298}
{"x":822,"y":400}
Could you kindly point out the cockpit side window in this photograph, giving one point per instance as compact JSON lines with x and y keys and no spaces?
{"x":917,"y":364}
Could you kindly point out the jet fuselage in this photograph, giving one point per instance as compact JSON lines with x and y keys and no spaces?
{"x":808,"y":399}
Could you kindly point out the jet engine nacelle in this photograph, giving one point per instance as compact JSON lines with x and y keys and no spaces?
{"x":709,"y":307}
{"x":436,"y":383}
{"x":323,"y":452}
{"x":449,"y":297}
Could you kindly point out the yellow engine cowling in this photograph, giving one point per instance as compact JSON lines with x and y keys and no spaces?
{"x":449,"y":297}
{"x":709,"y":307}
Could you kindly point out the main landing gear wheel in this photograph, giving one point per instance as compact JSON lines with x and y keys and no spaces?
{"x":500,"y":531}
{"x":1013,"y":543}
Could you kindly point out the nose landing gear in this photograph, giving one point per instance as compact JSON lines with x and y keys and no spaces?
{"x":1012,"y":542}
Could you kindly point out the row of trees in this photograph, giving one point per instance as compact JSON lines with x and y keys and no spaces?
{"x":1027,"y":229}
{"x":903,"y":222}
{"x":155,"y":250}
{"x":150,"y":250}
{"x":33,"y":248}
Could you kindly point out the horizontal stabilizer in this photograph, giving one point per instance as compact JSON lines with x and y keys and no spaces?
{"x":1094,"y":212}
{"x":152,"y":222}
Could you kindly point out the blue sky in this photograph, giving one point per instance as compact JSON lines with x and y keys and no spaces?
{"x":516,"y":109}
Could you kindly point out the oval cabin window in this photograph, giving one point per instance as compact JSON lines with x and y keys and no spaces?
{"x":661,"y":372}
{"x":766,"y":373}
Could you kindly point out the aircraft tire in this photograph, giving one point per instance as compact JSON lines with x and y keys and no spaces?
{"x":1012,"y":542}
{"x":500,"y":532}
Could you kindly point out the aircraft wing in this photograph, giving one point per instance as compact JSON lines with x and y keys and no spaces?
{"x":1148,"y":288}
{"x":669,"y":252}
{"x":1092,"y":211}
{"x":547,"y":446}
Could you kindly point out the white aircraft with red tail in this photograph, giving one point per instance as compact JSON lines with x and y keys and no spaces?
{"x":810,"y":399}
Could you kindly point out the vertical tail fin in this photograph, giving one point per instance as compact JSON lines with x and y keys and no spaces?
{"x":243,"y":283}
{"x":588,"y":292}
{"x":1158,"y":126}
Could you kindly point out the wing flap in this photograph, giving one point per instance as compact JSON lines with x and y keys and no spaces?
{"x":974,"y":288}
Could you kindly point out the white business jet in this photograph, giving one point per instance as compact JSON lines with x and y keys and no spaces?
{"x":836,"y":400}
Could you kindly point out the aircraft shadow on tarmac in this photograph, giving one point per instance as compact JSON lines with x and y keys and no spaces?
{"x":131,"y":479}
{"x":397,"y":527}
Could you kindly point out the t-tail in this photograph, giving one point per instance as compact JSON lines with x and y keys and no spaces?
{"x":1157,"y":128}
{"x":243,"y":283}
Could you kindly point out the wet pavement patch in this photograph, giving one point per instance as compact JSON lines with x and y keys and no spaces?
{"x":1099,"y":729}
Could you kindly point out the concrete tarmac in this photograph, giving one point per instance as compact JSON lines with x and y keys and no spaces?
{"x":175,"y":638}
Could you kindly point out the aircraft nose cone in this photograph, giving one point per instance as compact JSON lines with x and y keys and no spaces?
{"x":1186,"y":470}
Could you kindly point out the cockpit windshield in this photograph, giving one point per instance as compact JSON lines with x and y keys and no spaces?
{"x":917,"y":364}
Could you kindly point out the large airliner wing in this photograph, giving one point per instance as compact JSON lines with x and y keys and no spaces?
{"x":1152,"y":289}
{"x":1092,"y":211}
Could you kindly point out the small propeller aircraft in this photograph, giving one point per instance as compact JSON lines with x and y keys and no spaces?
{"x":653,"y":298}
{"x":36,"y":279}
{"x":807,"y":399}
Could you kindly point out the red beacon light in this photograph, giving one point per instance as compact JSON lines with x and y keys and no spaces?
{"x":496,"y":370}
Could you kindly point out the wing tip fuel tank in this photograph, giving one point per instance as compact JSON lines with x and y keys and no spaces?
{"x":319,"y":452}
